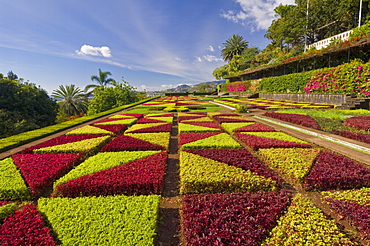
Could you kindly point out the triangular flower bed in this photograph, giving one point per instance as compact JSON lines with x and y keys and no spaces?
{"x":156,"y":138}
{"x":89,"y":130}
{"x":231,"y":219}
{"x":117,"y":121}
{"x":332,"y":171}
{"x":233,"y":126}
{"x":202,"y":175}
{"x":139,"y":177}
{"x":115,"y":129}
{"x":159,"y":115}
{"x":225,"y":119}
{"x":100,"y":122}
{"x":60,"y":140}
{"x":117,"y":116}
{"x":219,"y":141}
{"x":151,"y":127}
{"x":123,"y":142}
{"x":257,"y":127}
{"x":12,"y":184}
{"x":149,"y":120}
{"x":188,"y":137}
{"x":240,"y":158}
{"x":25,"y":227}
{"x":199,"y":127}
{"x":257,"y":142}
{"x":190,"y":117}
{"x":103,"y":161}
{"x":41,"y":170}
{"x":198,"y":119}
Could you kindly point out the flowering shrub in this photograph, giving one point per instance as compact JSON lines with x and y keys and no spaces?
{"x":349,"y":78}
{"x":41,"y":170}
{"x":266,"y":140}
{"x":299,"y":119}
{"x":103,"y":221}
{"x":240,"y":158}
{"x":139,"y":177}
{"x":230,"y":219}
{"x":203,"y":175}
{"x":123,"y":142}
{"x":358,"y":122}
{"x":25,"y":227}
{"x":238,"y":86}
{"x":362,"y":137}
{"x":332,"y":171}
{"x":305,"y":224}
{"x":12,"y":185}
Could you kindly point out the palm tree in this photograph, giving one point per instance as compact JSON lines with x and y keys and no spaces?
{"x":102,"y":81}
{"x":71,"y":100}
{"x":233,"y":46}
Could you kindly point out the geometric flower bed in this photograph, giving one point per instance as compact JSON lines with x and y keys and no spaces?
{"x":41,"y":170}
{"x":117,"y":121}
{"x":187,"y":137}
{"x":12,"y":185}
{"x":219,"y":140}
{"x":362,"y":137}
{"x":333,"y":171}
{"x":305,"y":224}
{"x":203,"y":175}
{"x":257,"y":140}
{"x":246,"y":127}
{"x":156,"y":138}
{"x":25,"y":227}
{"x":98,"y":129}
{"x":228,"y":119}
{"x":199,"y":127}
{"x":129,"y":143}
{"x":151,"y":127}
{"x":293,"y":162}
{"x":299,"y":119}
{"x":138,"y":177}
{"x":354,"y":206}
{"x":100,"y":162}
{"x":111,"y":220}
{"x":231,"y":219}
{"x":358,"y":122}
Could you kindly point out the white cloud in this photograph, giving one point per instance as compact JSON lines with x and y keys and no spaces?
{"x":257,"y":13}
{"x":198,"y":59}
{"x":210,"y":48}
{"x":209,"y":58}
{"x":94,"y":51}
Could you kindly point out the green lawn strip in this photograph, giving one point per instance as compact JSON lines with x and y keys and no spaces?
{"x":202,"y":175}
{"x":103,"y":161}
{"x":26,"y":137}
{"x":89,"y":130}
{"x":111,"y":220}
{"x":12,"y":185}
{"x":276,"y":135}
{"x":294,"y":162}
{"x":305,"y":224}
{"x":360,"y":196}
{"x":231,"y":127}
{"x":222,"y":140}
{"x":192,"y":128}
{"x":160,"y":138}
{"x":87,"y":146}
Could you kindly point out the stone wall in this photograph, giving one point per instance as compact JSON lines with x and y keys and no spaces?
{"x":334,"y":99}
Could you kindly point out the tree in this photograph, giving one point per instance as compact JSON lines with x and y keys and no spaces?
{"x":12,"y":76}
{"x":233,"y":46}
{"x":71,"y":100}
{"x":24,"y":107}
{"x":106,"y":98}
{"x":102,"y":80}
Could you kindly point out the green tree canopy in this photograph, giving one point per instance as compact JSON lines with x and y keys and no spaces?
{"x":71,"y":100}
{"x":233,"y":46}
{"x":24,"y":107}
{"x":106,"y":98}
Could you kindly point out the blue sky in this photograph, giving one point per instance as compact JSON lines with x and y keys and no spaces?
{"x":153,"y":44}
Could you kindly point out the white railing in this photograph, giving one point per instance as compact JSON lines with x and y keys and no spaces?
{"x":325,"y":42}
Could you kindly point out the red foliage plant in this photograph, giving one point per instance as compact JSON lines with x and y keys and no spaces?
{"x":128,"y":143}
{"x":299,"y":119}
{"x":358,"y":122}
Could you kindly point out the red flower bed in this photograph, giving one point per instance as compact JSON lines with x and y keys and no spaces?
{"x":357,"y":214}
{"x":140,"y":177}
{"x":332,"y":171}
{"x":116,"y":129}
{"x":128,"y":143}
{"x":109,"y":120}
{"x":148,"y":120}
{"x":231,"y":219}
{"x":41,"y":170}
{"x":188,"y":137}
{"x":257,"y":127}
{"x":255,"y":142}
{"x":61,"y":140}
{"x":25,"y":227}
{"x":138,"y":116}
{"x":160,"y":128}
{"x":353,"y":135}
{"x":240,"y":158}
{"x":358,"y":122}
{"x":299,"y":119}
